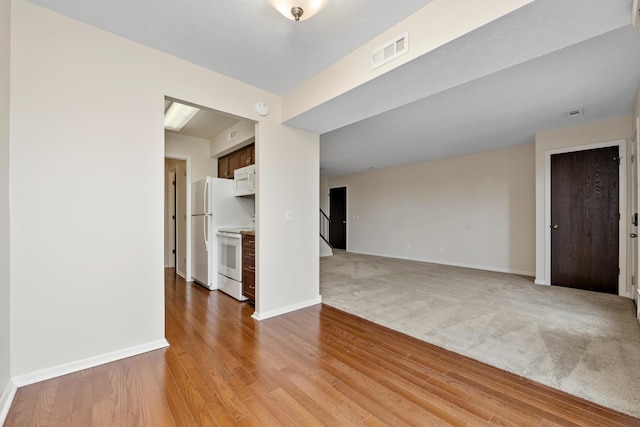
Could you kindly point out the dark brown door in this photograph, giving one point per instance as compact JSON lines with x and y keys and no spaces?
{"x":585,"y":220}
{"x":338,"y":217}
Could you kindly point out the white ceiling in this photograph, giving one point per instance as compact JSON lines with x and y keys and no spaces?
{"x":492,"y":88}
{"x":206,"y":124}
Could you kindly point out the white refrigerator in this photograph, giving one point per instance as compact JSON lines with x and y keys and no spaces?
{"x":214,"y":206}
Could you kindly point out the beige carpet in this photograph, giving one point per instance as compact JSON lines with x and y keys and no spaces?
{"x":584,"y":343}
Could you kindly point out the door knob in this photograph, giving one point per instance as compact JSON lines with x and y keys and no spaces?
{"x":633,"y":235}
{"x":554,"y":226}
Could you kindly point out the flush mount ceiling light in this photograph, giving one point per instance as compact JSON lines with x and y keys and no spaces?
{"x":298,"y":10}
{"x":178,"y":115}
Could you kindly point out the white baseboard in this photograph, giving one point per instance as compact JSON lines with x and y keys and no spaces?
{"x":67,"y":368}
{"x":541,"y":282}
{"x":288,"y":309}
{"x":454,"y":264}
{"x":6,"y":399}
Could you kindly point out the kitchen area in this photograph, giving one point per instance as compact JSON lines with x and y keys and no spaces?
{"x":210,"y":190}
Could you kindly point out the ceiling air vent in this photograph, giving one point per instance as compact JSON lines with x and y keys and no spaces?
{"x":390,"y":50}
{"x":575,"y":112}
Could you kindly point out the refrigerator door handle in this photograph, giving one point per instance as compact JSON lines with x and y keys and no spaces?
{"x":206,"y":214}
{"x":204,"y":232}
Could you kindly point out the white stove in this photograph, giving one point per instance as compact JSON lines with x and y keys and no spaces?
{"x":230,"y":261}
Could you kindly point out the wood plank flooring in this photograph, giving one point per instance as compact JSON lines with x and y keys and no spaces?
{"x":317,"y":366}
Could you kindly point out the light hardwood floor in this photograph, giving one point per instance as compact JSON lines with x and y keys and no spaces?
{"x":317,"y":366}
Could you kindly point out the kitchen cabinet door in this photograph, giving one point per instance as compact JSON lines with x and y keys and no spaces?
{"x":234,"y":163}
{"x":223,"y":167}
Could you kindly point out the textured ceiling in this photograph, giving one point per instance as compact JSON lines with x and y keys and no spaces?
{"x":247,"y":40}
{"x":494,"y":87}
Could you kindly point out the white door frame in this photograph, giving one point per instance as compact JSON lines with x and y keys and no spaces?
{"x":623,"y":286}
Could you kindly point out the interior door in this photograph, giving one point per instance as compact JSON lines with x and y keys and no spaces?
{"x":585,"y":220}
{"x":338,"y":217}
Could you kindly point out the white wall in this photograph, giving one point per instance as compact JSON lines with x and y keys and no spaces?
{"x":475,"y":210}
{"x":197,"y":149}
{"x":287,"y":165}
{"x":5,"y":371}
{"x":87,"y":239}
{"x":245,"y":135}
{"x":324,"y":194}
{"x":614,"y":129}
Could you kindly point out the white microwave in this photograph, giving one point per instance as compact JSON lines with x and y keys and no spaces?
{"x":244,"y":181}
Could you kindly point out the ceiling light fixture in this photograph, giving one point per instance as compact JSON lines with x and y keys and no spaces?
{"x":298,"y":10}
{"x":178,"y":115}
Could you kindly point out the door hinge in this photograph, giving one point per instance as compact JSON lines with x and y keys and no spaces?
{"x":633,"y":280}
{"x":173,"y":251}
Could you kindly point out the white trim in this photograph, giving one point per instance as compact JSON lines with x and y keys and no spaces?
{"x":454,"y":264}
{"x":67,"y":368}
{"x":622,"y":206}
{"x":288,"y":309}
{"x":6,"y":399}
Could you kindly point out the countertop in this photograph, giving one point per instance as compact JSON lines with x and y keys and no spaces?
{"x":243,"y":231}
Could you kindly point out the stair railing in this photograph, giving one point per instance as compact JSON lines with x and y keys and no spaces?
{"x":324,"y":227}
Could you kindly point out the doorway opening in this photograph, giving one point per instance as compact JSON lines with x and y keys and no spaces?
{"x":338,"y":217}
{"x":193,"y":151}
{"x":175,"y":250}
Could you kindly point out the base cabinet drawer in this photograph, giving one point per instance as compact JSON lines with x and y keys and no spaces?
{"x":249,"y":285}
{"x":249,"y":267}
